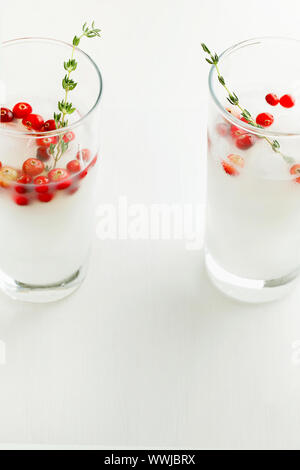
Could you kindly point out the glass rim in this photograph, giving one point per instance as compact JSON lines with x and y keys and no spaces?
{"x":230,"y":117}
{"x":64,"y":130}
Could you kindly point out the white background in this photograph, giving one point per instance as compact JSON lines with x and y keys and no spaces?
{"x":148,"y":353}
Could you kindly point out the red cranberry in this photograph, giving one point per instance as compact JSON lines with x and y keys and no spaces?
{"x":43,"y":154}
{"x":265,"y":119}
{"x":272,"y":99}
{"x":73,"y":166}
{"x":68,"y":137}
{"x":287,"y":101}
{"x":45,"y":197}
{"x":22,"y":110}
{"x":22,"y":182}
{"x":21,"y":200}
{"x":244,"y":142}
{"x":229,"y":169}
{"x":49,"y":125}
{"x":41,"y":184}
{"x":295,"y":170}
{"x":33,"y":167}
{"x":60,"y":176}
{"x":6,"y":115}
{"x":33,"y":122}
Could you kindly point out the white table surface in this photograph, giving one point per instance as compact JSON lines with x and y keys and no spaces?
{"x":147,"y":353}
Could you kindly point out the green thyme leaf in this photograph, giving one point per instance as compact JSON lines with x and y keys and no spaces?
{"x":205,"y":48}
{"x":275,"y":145}
{"x":71,"y":65}
{"x":68,"y":83}
{"x":221,"y":80}
{"x":76,"y":41}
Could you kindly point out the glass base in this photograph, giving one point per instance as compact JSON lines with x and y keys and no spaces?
{"x":249,"y":290}
{"x":42,"y":293}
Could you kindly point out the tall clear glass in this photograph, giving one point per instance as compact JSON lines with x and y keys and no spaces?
{"x":46,"y":228}
{"x":253,"y":195}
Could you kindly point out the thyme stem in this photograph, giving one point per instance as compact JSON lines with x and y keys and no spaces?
{"x":65,"y":107}
{"x":234,"y":100}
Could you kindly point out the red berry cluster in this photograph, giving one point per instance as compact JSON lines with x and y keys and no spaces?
{"x":34,"y":123}
{"x":34,"y":181}
{"x":266,"y":119}
{"x":287,"y":101}
{"x":243,"y":140}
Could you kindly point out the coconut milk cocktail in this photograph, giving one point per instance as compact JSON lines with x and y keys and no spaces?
{"x":49,"y":143}
{"x":253,"y":193}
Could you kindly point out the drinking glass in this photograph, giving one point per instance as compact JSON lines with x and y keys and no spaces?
{"x":253,"y":193}
{"x":46,"y":227}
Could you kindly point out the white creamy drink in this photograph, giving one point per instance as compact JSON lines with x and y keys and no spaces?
{"x":47,"y":224}
{"x":253,"y":199}
{"x":253,"y":187}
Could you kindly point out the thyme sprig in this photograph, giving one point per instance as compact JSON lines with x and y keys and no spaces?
{"x":65,"y":107}
{"x":234,"y":100}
